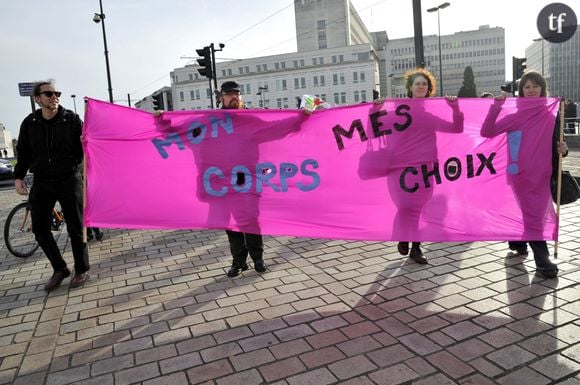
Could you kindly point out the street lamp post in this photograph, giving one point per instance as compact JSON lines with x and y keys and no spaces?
{"x":436,"y":9}
{"x":100,"y":18}
{"x":74,"y":102}
{"x":542,"y":40}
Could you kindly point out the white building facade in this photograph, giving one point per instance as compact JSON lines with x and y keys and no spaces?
{"x":344,"y":75}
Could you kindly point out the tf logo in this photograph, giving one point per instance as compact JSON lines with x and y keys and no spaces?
{"x":557,"y":22}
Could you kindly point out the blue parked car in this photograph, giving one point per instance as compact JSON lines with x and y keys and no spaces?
{"x":6,"y":170}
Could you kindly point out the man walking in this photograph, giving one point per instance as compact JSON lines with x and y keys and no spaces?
{"x":49,"y":145}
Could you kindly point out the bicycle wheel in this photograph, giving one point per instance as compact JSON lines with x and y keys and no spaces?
{"x":18,"y":234}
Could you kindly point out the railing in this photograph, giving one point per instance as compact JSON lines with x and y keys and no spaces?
{"x":572,"y":126}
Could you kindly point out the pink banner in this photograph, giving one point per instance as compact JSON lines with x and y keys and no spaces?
{"x":409,"y":169}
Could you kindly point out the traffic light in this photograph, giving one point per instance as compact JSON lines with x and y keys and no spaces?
{"x":156,"y":100}
{"x":205,"y":62}
{"x":519,"y":66}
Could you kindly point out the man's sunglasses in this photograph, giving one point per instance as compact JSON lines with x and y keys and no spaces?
{"x":49,"y":94}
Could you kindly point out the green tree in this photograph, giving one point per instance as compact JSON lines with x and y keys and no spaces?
{"x":468,"y":88}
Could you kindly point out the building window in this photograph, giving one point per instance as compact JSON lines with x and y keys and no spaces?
{"x":301,"y":62}
{"x":284,"y":86}
{"x":336,"y":98}
{"x":343,"y":97}
{"x":303,"y":82}
{"x":258,"y":68}
{"x":197,"y":95}
{"x":342,"y":79}
{"x":362,"y":77}
{"x":296,"y":83}
{"x":322,"y":82}
{"x":283,"y":65}
{"x":323,"y":96}
{"x":356,"y":97}
{"x":285,"y":102}
{"x":363,"y":96}
{"x":190,"y":76}
{"x":340,"y":58}
{"x":334,"y":79}
{"x":321,"y":24}
{"x":191,"y":95}
{"x":322,"y":45}
{"x":241,"y":69}
{"x":276,"y":66}
{"x":355,"y":78}
{"x":321,"y":60}
{"x":181,"y":96}
{"x":229,"y":72}
{"x":295,"y":62}
{"x":279,"y":102}
{"x":264,"y":67}
{"x":247,"y":68}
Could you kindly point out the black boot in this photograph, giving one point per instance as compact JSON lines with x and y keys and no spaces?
{"x":98,"y":233}
{"x":259,"y":265}
{"x":403,"y":248}
{"x":234,"y":271}
{"x":417,"y":254}
{"x":544,"y":267}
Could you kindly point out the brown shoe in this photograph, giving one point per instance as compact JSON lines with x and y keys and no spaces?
{"x":79,"y":279}
{"x":57,"y":277}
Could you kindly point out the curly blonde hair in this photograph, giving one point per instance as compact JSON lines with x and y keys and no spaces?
{"x":411,"y":75}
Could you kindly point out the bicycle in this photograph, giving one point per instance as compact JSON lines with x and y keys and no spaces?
{"x":18,"y":234}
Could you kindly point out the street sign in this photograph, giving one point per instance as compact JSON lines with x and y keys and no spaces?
{"x":26,"y":89}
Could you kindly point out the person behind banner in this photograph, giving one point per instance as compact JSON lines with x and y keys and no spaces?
{"x":241,"y":243}
{"x":532,"y":84}
{"x":419,"y":83}
{"x":49,"y":145}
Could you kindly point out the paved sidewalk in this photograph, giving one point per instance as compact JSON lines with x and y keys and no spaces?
{"x":160,"y":310}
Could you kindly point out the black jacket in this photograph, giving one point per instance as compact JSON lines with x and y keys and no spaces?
{"x":50,"y":154}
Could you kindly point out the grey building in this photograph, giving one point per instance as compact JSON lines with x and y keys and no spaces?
{"x":483,"y":50}
{"x":559,"y":63}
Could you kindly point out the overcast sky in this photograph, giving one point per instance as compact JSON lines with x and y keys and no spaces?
{"x":148,"y":38}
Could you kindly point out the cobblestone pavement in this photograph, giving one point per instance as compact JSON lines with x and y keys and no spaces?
{"x":160,"y":310}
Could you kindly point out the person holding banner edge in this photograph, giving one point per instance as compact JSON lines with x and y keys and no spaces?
{"x":241,"y":244}
{"x":49,"y":145}
{"x":419,"y":83}
{"x":531,"y":84}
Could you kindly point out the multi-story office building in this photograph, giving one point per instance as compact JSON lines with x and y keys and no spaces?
{"x":342,"y":75}
{"x":340,"y":61}
{"x":322,"y":24}
{"x":336,"y":60}
{"x":560,"y":64}
{"x":483,"y":50}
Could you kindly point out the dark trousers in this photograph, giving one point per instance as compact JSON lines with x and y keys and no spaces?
{"x":242,"y":244}
{"x":540,"y":249}
{"x":43,"y":196}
